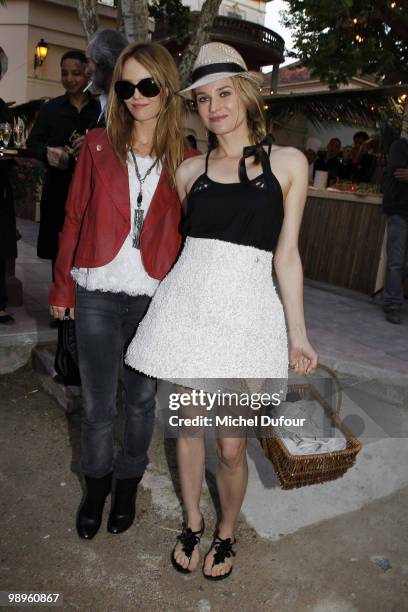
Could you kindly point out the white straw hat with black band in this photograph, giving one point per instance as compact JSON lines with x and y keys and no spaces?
{"x":218,"y":61}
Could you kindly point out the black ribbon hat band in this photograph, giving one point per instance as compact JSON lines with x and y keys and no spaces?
{"x":203,"y":71}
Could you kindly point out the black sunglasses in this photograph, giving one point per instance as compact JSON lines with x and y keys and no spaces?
{"x":147,"y":87}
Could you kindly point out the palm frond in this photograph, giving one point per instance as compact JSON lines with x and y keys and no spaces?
{"x":348,"y":106}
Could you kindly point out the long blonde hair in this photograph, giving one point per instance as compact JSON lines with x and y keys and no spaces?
{"x":168,"y":137}
{"x":248,"y":91}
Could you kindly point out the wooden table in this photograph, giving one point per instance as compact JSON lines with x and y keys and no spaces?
{"x":342,"y":239}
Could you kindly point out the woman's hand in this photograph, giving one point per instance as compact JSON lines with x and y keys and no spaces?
{"x":302,"y":356}
{"x":58,"y":312}
{"x":57,"y":157}
{"x":401,"y":174}
{"x":76,"y":145}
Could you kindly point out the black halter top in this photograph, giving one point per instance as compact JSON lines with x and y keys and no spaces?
{"x":249,"y":212}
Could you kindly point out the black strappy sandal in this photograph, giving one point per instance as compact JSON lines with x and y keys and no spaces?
{"x":189,"y":539}
{"x":223,"y":550}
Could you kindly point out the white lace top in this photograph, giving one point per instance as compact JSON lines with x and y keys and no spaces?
{"x":125,"y":273}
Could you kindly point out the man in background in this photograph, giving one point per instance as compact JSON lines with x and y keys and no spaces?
{"x":311,"y":150}
{"x":330,"y":162}
{"x":8,"y":247}
{"x":395,"y":206}
{"x":363,"y":161}
{"x":59,"y":122}
{"x":102,"y":53}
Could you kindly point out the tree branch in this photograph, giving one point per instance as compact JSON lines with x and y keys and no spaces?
{"x":88,"y":16}
{"x":202,"y":36}
{"x":135,"y":14}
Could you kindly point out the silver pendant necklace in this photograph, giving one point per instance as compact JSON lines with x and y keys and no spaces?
{"x":139,"y":212}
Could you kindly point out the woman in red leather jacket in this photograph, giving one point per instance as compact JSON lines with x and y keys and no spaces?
{"x":119,"y":239}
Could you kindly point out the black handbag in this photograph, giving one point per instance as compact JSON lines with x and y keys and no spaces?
{"x":66,"y":357}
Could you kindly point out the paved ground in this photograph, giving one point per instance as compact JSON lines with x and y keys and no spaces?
{"x":356,"y":562}
{"x":343,"y":531}
{"x":348,"y":329}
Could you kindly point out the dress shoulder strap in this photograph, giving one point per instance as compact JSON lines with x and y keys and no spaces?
{"x":264,"y":158}
{"x":270,"y":178}
{"x":206,"y":160}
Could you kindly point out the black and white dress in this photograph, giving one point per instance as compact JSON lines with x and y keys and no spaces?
{"x":217,"y":314}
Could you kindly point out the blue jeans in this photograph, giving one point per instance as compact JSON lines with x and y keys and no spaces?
{"x":397,"y":252}
{"x":105,"y":325}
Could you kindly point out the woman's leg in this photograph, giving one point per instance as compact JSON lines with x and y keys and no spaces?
{"x":190,"y":460}
{"x":99,"y":344}
{"x":231,"y":478}
{"x":98,"y":331}
{"x":139,"y":393}
{"x":139,"y":398}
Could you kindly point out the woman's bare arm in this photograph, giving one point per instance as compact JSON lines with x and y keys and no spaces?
{"x":186,"y":174}
{"x":288,"y":266}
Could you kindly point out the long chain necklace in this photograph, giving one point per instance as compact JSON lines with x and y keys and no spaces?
{"x":139,"y":212}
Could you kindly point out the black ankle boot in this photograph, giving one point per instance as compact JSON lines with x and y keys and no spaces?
{"x":123,"y":510}
{"x":90,"y":512}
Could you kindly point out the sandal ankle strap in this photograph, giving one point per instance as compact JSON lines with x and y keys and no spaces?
{"x":189,"y":539}
{"x":223,"y":549}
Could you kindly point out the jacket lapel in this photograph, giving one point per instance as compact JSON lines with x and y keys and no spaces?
{"x":111,"y":173}
{"x":115,"y":179}
{"x":163,"y":198}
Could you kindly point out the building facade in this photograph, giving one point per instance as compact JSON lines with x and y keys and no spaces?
{"x":24,"y":22}
{"x":247,"y":10}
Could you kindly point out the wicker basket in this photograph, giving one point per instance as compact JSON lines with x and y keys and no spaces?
{"x":302,"y":470}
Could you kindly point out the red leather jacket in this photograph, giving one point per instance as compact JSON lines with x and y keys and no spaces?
{"x":97,"y":219}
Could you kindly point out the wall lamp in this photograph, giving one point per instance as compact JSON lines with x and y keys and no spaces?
{"x":41,"y":51}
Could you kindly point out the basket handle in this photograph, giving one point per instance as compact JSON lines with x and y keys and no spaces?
{"x":339,"y":390}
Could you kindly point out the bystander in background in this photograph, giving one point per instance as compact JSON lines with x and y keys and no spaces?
{"x":59,"y":123}
{"x":395,"y":206}
{"x":311,"y":150}
{"x":102,"y":53}
{"x":330,"y":160}
{"x":363,"y":160}
{"x":8,"y":243}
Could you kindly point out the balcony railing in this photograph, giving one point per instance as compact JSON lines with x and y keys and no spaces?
{"x":248,"y":31}
{"x":257,"y":39}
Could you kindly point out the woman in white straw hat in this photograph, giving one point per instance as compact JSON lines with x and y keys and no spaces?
{"x":217,"y":314}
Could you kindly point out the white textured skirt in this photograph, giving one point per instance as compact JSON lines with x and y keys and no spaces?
{"x":215,"y":315}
